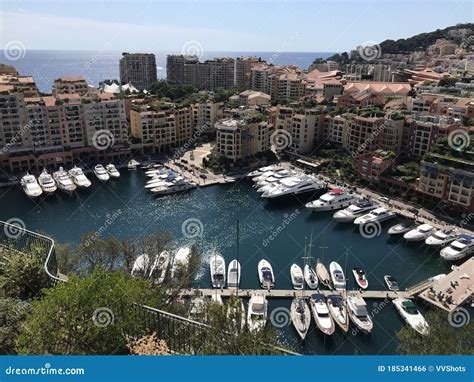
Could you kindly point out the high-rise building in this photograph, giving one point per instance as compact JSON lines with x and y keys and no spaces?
{"x":139,"y":69}
{"x":243,"y":69}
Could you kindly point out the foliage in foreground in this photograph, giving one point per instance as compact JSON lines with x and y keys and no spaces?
{"x":443,"y":339}
{"x":12,"y":313}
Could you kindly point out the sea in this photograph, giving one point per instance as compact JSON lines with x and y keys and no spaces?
{"x":273,"y":230}
{"x":47,"y":65}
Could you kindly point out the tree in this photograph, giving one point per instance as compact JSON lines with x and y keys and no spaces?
{"x":22,"y":275}
{"x":443,"y":339}
{"x":12,"y":313}
{"x":447,"y":82}
{"x":89,"y":315}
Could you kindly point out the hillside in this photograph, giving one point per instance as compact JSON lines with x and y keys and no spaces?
{"x":421,"y":41}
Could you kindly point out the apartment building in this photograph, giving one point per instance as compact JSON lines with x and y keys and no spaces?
{"x":22,"y":84}
{"x":336,"y":129}
{"x":206,"y":114}
{"x":282,"y":83}
{"x":448,"y":179}
{"x":241,"y":139}
{"x":156,"y":130}
{"x":243,"y":71}
{"x":371,"y":166}
{"x":70,"y":85}
{"x":364,"y":134}
{"x":426,"y":130}
{"x":13,"y":118}
{"x":392,"y":134}
{"x":139,"y":69}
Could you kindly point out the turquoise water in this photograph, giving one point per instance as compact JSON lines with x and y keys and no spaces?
{"x":125,"y":209}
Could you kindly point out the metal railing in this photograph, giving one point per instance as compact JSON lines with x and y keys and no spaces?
{"x":16,"y":238}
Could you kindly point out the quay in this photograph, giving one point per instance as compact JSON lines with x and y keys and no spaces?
{"x":453,"y":290}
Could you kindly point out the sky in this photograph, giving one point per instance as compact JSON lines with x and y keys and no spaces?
{"x":221,"y":25}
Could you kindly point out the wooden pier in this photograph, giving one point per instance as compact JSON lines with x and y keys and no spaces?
{"x":290,"y":293}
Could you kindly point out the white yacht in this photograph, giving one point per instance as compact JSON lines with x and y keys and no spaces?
{"x":337,"y":276}
{"x":338,"y":310}
{"x":261,"y":170}
{"x":217,"y":269}
{"x":47,"y":182}
{"x":462,"y":247}
{"x":233,"y":274}
{"x":443,"y":236}
{"x":63,"y":181}
{"x":310,"y":277}
{"x":400,"y":228}
{"x":359,"y":315}
{"x":180,"y":261}
{"x":112,"y":171}
{"x":78,"y":177}
{"x":411,"y":315}
{"x":378,"y":215}
{"x":101,"y":173}
{"x":160,"y":267}
{"x":335,"y":199}
{"x":300,"y":316}
{"x":419,"y":233}
{"x":31,"y":186}
{"x":294,"y":186}
{"x":141,"y":266}
{"x":296,"y":276}
{"x":257,"y":312}
{"x":265,"y":274}
{"x":359,"y":208}
{"x":133,"y":164}
{"x":173,"y":187}
{"x":321,"y":314}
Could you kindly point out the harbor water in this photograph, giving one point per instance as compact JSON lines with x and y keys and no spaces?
{"x":274,"y":230}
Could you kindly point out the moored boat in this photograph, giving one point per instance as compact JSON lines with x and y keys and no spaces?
{"x":47,"y":183}
{"x":356,"y":209}
{"x":160,"y":267}
{"x":141,"y":266}
{"x":359,"y":315}
{"x":321,"y":314}
{"x":180,"y":261}
{"x":337,"y":276}
{"x":310,"y":277}
{"x":78,"y":177}
{"x":411,"y":315}
{"x":257,"y":312}
{"x":419,"y":233}
{"x":265,"y":274}
{"x":217,"y":269}
{"x":443,"y":236}
{"x":323,"y":274}
{"x":391,"y":282}
{"x":460,"y":248}
{"x":233,"y":274}
{"x":31,"y":186}
{"x":63,"y":181}
{"x":400,"y":228}
{"x":296,"y":276}
{"x":360,"y":278}
{"x":338,"y":310}
{"x":101,"y":173}
{"x":112,"y":171}
{"x":300,"y":316}
{"x":335,"y":199}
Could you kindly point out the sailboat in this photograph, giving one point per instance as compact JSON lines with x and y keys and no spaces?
{"x":300,"y":316}
{"x":323,"y":274}
{"x":160,"y":267}
{"x":338,"y":310}
{"x":310,"y":276}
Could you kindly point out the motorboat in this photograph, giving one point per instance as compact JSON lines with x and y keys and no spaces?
{"x":112,"y":171}
{"x":294,"y":186}
{"x":180,"y":261}
{"x":419,"y":233}
{"x":265,"y":274}
{"x":355,"y":210}
{"x":236,"y":312}
{"x":436,"y":278}
{"x":31,"y":186}
{"x":47,"y":183}
{"x":335,"y":199}
{"x":217,"y":299}
{"x":358,"y":313}
{"x":338,"y":310}
{"x":257,"y":312}
{"x":173,"y":188}
{"x":101,"y":173}
{"x":197,"y":309}
{"x":217,"y":269}
{"x":233,"y":274}
{"x":411,"y":315}
{"x":400,"y":228}
{"x":300,"y":316}
{"x":296,"y":276}
{"x":273,"y":178}
{"x":159,"y":171}
{"x":323,"y":274}
{"x":63,"y":181}
{"x":360,"y":278}
{"x":261,"y":170}
{"x":310,"y":277}
{"x":443,"y":236}
{"x":141,"y":266}
{"x":462,"y":247}
{"x":321,"y":314}
{"x":133,"y":164}
{"x":337,"y":276}
{"x":378,"y":215}
{"x":160,"y":267}
{"x":391,"y":282}
{"x":78,"y":177}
